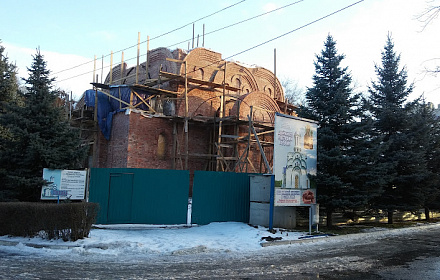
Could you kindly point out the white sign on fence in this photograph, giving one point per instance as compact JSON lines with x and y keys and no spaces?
{"x":293,"y":197}
{"x":64,"y":184}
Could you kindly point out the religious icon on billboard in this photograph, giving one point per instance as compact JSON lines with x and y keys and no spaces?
{"x":295,"y":171}
{"x":295,"y":161}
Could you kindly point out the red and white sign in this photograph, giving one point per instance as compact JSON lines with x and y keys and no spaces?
{"x":292,"y":197}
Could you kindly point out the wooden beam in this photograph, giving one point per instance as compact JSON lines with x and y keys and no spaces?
{"x":102,"y":67}
{"x":196,"y":81}
{"x":154,"y":90}
{"x":260,"y":133}
{"x":94,"y":69}
{"x":147,"y":60}
{"x":111,"y":67}
{"x":143,"y":101}
{"x":260,"y":147}
{"x":120,"y":100}
{"x":186,"y":119}
{"x":138,"y":52}
{"x":122,"y":66}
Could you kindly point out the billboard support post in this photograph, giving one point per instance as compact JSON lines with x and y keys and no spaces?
{"x":272,"y":198}
{"x":294,"y":161}
{"x":310,"y":219}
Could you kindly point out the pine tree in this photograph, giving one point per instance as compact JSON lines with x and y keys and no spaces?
{"x":404,"y":160}
{"x":342,"y":164}
{"x":41,"y":138}
{"x":8,"y":86}
{"x":8,"y":79}
{"x":426,"y":129}
{"x":8,"y":90}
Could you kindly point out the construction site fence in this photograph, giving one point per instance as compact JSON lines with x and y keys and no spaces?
{"x":159,"y":196}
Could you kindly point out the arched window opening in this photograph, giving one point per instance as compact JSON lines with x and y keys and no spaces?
{"x":161,"y":146}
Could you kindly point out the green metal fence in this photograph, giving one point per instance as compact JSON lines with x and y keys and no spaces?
{"x":220,"y":197}
{"x":157,"y":196}
{"x":140,"y":196}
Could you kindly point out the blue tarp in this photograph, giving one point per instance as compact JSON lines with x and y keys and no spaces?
{"x":107,"y":106}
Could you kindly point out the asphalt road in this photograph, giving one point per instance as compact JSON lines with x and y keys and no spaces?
{"x":414,"y":255}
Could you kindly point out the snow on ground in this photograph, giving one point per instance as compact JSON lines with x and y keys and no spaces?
{"x":143,"y":240}
{"x":146,"y":239}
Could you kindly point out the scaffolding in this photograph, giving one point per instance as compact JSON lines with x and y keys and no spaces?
{"x":231,"y":139}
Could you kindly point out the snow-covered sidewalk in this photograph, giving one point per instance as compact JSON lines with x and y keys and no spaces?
{"x":149,"y":239}
{"x":120,"y":240}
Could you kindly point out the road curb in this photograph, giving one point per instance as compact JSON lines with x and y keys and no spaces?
{"x":353,"y":235}
{"x":38,"y":246}
{"x":297,"y":241}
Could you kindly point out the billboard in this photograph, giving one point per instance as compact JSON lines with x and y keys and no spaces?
{"x":64,"y":184}
{"x":294,"y":160}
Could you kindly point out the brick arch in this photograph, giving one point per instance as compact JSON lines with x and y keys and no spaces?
{"x":265,"y":80}
{"x":264,"y":107}
{"x":201,"y":58}
{"x":200,"y":103}
{"x":235,"y":71}
{"x":156,"y":58}
{"x":116,"y":75}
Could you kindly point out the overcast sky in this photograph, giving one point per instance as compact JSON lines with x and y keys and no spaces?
{"x":71,"y":33}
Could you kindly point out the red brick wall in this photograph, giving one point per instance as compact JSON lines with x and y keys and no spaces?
{"x":134,"y":144}
{"x":199,"y":136}
{"x":112,"y":153}
{"x":200,"y":102}
{"x":143,"y":142}
{"x":102,"y":151}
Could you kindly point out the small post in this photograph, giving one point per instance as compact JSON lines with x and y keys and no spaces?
{"x":95,"y":131}
{"x":138,"y":50}
{"x":193,"y":37}
{"x":102,"y":67}
{"x":274,"y":72}
{"x":94,"y":69}
{"x":310,"y":220}
{"x":70,"y":105}
{"x":186,"y":117}
{"x":220,"y":123}
{"x":272,"y":203}
{"x":122,"y":67}
{"x":146,"y":62}
{"x":111,"y":67}
{"x":203,"y":37}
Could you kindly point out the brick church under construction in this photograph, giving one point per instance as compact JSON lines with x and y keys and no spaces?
{"x":185,"y":110}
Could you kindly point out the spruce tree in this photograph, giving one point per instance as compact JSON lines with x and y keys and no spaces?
{"x":426,"y":129}
{"x":8,"y":86}
{"x":8,"y":91}
{"x":8,"y":79}
{"x":342,"y":163}
{"x":401,"y":154}
{"x":41,"y":137}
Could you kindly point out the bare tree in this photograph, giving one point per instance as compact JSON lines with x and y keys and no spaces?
{"x":293,"y":93}
{"x":430,"y":13}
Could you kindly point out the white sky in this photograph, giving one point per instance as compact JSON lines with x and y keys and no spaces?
{"x":71,"y":33}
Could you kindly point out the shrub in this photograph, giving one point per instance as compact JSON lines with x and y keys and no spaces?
{"x":69,"y":221}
